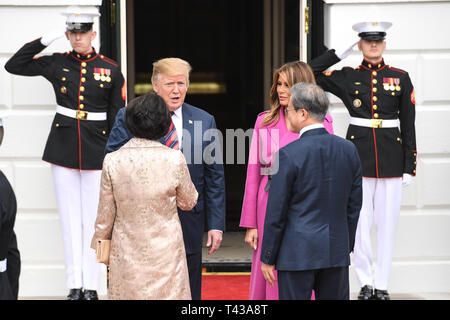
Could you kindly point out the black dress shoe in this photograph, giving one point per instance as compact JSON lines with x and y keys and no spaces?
{"x":381,"y":295}
{"x":366,"y":293}
{"x":75,"y":294}
{"x":90,"y":295}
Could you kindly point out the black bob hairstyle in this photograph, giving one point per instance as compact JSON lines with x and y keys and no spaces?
{"x":147,"y":117}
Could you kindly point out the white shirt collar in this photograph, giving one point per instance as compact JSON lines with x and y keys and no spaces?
{"x":310,"y":127}
{"x":178,"y":112}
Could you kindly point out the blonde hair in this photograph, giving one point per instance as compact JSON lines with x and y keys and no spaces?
{"x":295,"y":72}
{"x":171,"y":67}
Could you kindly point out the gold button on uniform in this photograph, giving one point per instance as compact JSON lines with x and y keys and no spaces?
{"x":375,"y":107}
{"x":83,"y":64}
{"x":83,"y":79}
{"x":374,"y":73}
{"x":81,"y":98}
{"x":370,"y":66}
{"x":352,"y":137}
{"x":104,"y":132}
{"x":63,"y":78}
{"x":57,"y":125}
{"x":81,"y":106}
{"x":83,"y":71}
{"x":414,"y":171}
{"x":82,"y":89}
{"x":356,"y":92}
{"x":375,"y":98}
{"x":101,"y":85}
{"x":398,"y":139}
{"x":374,"y":81}
{"x":357,"y":103}
{"x":375,"y":90}
{"x":375,"y":115}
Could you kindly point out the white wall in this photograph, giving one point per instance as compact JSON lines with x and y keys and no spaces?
{"x":30,"y":103}
{"x":418,"y":42}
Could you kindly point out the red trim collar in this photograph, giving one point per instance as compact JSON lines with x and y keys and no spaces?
{"x":84,"y":57}
{"x":371,"y":66}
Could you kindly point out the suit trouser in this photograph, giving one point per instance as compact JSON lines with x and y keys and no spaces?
{"x":194,"y":262}
{"x":328,"y":284}
{"x":77,"y":195}
{"x":14,"y":264}
{"x":381,"y":204}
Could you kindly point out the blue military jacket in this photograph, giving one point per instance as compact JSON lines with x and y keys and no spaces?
{"x":375,"y":91}
{"x":84,"y":83}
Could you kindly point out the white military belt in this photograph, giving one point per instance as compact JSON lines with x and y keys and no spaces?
{"x":3,"y":265}
{"x":374,"y":123}
{"x":80,"y":114}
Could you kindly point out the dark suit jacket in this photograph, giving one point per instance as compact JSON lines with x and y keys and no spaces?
{"x":207,"y":177}
{"x":8,"y":209}
{"x":313,"y":205}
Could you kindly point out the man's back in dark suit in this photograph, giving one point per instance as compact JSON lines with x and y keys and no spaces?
{"x":313,"y":206}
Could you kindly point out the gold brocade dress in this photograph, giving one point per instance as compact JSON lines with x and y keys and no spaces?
{"x":142,"y":185}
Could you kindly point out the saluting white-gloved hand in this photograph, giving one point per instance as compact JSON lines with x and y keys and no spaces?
{"x":53,"y":35}
{"x":343,"y":53}
{"x":407,"y":179}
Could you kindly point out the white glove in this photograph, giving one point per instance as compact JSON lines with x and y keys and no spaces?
{"x":53,"y":35}
{"x":344,"y":53}
{"x":407,"y":179}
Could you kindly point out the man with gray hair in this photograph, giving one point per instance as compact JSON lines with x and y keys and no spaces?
{"x":313,"y":206}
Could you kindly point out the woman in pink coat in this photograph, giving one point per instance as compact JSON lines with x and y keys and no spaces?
{"x":271,"y":133}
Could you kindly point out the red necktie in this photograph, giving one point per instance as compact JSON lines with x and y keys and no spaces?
{"x":171,"y":138}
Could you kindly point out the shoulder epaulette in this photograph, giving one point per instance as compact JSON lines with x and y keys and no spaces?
{"x":396,"y":69}
{"x":110,"y":61}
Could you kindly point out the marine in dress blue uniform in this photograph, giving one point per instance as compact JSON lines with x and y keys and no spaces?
{"x":89,"y":90}
{"x":381,"y":102}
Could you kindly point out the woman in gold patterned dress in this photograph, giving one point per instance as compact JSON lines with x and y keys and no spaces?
{"x":142,"y":184}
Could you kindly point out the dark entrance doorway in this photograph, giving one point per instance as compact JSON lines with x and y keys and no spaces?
{"x":233,"y":47}
{"x":223,"y":42}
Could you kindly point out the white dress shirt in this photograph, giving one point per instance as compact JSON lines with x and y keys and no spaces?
{"x":177,"y":119}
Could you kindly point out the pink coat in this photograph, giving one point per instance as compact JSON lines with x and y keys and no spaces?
{"x":266,"y":141}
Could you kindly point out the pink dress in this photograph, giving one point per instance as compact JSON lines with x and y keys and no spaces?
{"x":266,"y":141}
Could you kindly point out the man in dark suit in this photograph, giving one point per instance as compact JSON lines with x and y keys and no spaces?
{"x":313,"y":206}
{"x":9,"y":253}
{"x":190,"y":133}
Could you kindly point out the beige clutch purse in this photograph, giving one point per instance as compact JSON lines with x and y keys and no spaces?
{"x":102,"y":251}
